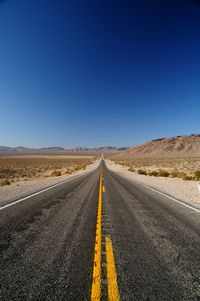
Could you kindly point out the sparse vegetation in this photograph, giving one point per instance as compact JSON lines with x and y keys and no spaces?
{"x":4,"y":182}
{"x":189,"y":178}
{"x":163,"y":173}
{"x":153,"y":173}
{"x":56,"y":173}
{"x":183,"y":168}
{"x":178,"y":174}
{"x":16,"y":168}
{"x":197,"y":175}
{"x":142,"y":172}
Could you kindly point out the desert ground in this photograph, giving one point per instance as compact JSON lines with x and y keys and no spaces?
{"x":177,"y":177}
{"x":21,"y":175}
{"x":15,"y":169}
{"x":187,"y":168}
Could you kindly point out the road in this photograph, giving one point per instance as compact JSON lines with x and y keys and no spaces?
{"x":149,"y":245}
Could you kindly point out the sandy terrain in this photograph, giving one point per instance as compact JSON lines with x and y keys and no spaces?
{"x":46,"y":157}
{"x":181,"y":146}
{"x":186,"y":191}
{"x":20,"y":189}
{"x":176,"y":157}
{"x":15,"y":169}
{"x":185,"y":168}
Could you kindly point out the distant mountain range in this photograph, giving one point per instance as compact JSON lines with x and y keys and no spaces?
{"x":99,"y":149}
{"x":21,"y":149}
{"x":178,"y":146}
{"x":26,"y":149}
{"x":162,"y":147}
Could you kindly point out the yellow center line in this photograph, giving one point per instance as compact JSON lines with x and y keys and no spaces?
{"x":113,"y":294}
{"x":96,"y":278}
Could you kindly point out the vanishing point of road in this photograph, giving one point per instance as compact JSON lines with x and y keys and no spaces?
{"x":99,"y":237}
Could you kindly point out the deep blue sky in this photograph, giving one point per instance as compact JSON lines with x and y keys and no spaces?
{"x":97,"y":73}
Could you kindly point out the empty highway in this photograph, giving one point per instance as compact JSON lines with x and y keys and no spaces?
{"x":98,"y":237}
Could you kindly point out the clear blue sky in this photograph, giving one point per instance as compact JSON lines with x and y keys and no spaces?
{"x":94,"y":73}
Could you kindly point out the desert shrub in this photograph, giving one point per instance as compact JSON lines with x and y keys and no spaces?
{"x":131,"y":169}
{"x":77,"y":168}
{"x":188,"y":178}
{"x":56,"y":173}
{"x":197,"y":175}
{"x":163,"y":173}
{"x":23,"y":175}
{"x":153,"y":173}
{"x":4,"y":182}
{"x":142,"y":172}
{"x":28,"y":168}
{"x":178,"y":174}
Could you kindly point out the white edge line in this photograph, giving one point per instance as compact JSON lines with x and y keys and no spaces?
{"x":155,"y":190}
{"x":45,"y":189}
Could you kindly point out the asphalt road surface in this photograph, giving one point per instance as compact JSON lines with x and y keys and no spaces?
{"x":150,"y":245}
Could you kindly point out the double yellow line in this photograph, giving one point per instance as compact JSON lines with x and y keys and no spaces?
{"x":96,"y":278}
{"x":113,"y":294}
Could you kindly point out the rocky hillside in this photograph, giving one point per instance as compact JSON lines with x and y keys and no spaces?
{"x":180,"y":146}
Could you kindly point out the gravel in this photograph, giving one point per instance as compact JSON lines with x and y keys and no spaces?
{"x":21,"y":189}
{"x":186,"y":191}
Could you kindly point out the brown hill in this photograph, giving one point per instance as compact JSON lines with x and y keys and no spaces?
{"x":180,"y":146}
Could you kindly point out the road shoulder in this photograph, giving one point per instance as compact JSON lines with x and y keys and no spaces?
{"x":186,"y":191}
{"x":22,"y":189}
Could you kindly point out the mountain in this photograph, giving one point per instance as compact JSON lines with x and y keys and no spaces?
{"x":21,"y":149}
{"x":12,"y":149}
{"x":184,"y":146}
{"x":5,"y":148}
{"x":60,"y":149}
{"x":52,"y":149}
{"x":98,"y":149}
